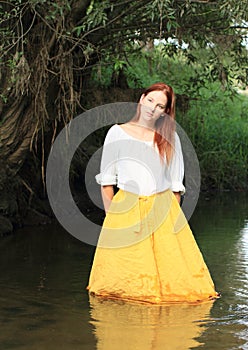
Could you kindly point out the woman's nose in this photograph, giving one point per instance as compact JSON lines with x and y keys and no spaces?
{"x":154,"y":106}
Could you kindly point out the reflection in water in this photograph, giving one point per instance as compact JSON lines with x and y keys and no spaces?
{"x":242,"y":249}
{"x":223,"y":236}
{"x":44,"y":304}
{"x":241,"y":285}
{"x":120,"y":325}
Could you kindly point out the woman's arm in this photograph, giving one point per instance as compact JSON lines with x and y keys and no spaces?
{"x":108,"y":170}
{"x":176,"y":170}
{"x":178,"y":196}
{"x":107,"y":196}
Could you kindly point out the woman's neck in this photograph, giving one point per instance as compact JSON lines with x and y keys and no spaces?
{"x":141,"y":131}
{"x":145,"y":124}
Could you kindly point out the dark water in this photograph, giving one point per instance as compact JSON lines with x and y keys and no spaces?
{"x":44,"y":304}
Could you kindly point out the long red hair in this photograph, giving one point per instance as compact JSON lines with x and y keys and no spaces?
{"x":164,"y":136}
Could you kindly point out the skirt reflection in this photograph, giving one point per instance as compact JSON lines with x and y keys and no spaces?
{"x":123,"y":325}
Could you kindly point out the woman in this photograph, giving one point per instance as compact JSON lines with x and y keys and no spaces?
{"x":146,"y":251}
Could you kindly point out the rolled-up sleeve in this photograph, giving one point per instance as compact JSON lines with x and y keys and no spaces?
{"x":108,"y":170}
{"x":176,"y":168}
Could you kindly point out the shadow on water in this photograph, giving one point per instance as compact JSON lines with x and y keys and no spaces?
{"x":44,"y":304}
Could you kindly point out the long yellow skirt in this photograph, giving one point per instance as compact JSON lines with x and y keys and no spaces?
{"x":147,"y":253}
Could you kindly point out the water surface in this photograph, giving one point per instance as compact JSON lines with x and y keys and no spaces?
{"x":44,"y":304}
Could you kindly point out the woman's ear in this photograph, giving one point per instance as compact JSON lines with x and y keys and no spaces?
{"x":142,"y":97}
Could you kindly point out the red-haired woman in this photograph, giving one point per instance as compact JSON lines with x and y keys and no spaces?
{"x":146,"y":250}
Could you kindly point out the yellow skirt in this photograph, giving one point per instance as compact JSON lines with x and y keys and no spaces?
{"x":147,"y":253}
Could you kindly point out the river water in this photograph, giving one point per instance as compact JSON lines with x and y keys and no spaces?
{"x":44,"y":304}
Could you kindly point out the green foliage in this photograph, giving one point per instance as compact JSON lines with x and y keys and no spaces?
{"x":96,"y":16}
{"x":50,"y":48}
{"x":219,"y":133}
{"x":215,"y":118}
{"x":3,"y":98}
{"x":56,"y":10}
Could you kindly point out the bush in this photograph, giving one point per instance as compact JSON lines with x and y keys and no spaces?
{"x":215,"y":116}
{"x":219,"y":134}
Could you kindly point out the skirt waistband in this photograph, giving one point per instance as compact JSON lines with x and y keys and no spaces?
{"x":141,"y":196}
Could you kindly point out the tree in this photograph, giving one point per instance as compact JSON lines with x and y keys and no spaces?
{"x":48,"y":49}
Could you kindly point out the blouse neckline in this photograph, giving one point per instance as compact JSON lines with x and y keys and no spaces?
{"x":132,"y":137}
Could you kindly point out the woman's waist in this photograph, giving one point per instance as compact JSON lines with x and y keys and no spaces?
{"x":143,"y":194}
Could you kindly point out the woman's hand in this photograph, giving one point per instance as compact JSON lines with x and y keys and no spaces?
{"x":178,"y":196}
{"x":107,"y":196}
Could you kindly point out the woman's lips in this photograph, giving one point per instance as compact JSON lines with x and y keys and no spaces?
{"x":149,"y":114}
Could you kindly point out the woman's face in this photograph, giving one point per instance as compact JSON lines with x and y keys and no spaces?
{"x":153,"y":105}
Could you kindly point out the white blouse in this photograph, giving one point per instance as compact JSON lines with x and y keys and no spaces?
{"x":135,"y":165}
